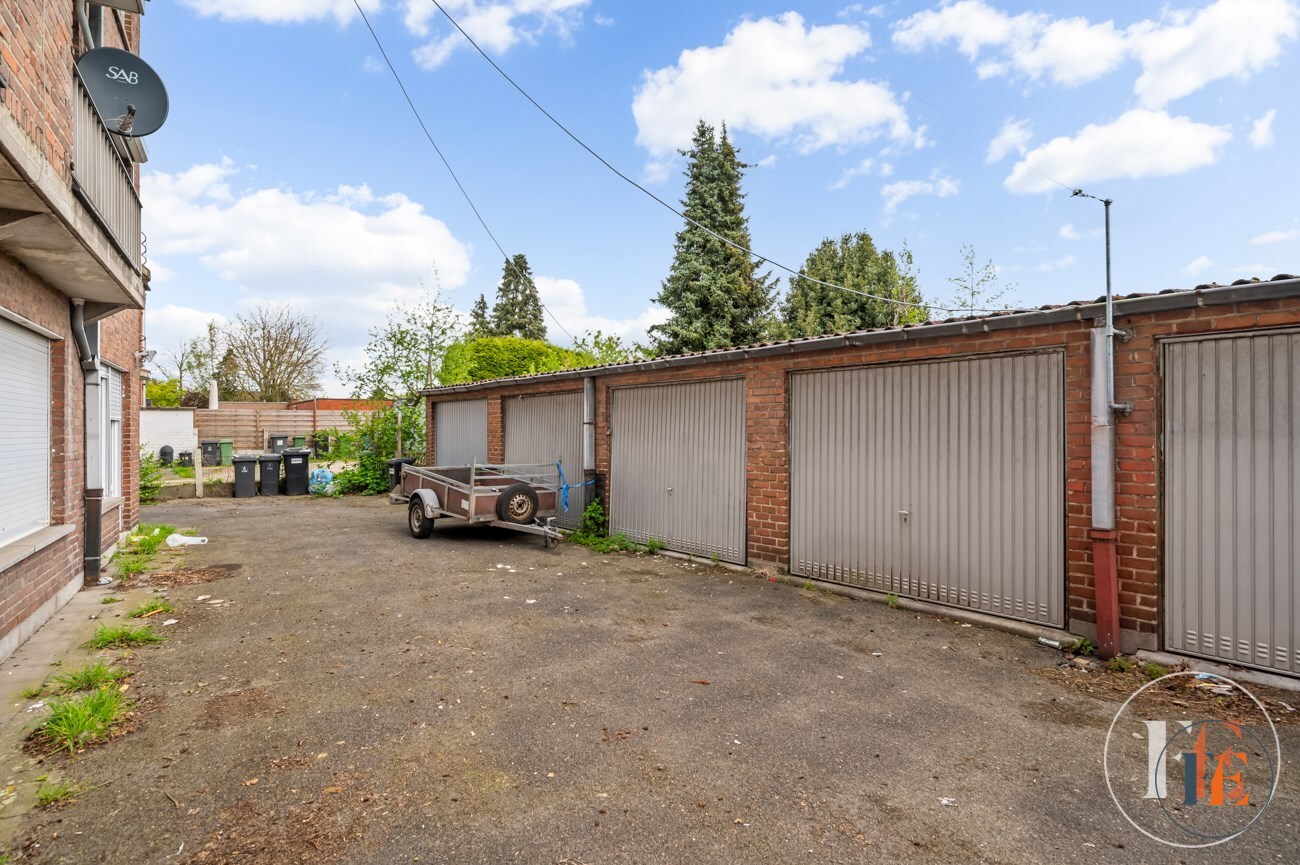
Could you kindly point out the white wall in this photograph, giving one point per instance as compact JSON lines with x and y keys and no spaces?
{"x":168,"y":426}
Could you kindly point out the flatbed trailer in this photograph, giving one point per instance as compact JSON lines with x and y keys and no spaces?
{"x":522,"y":498}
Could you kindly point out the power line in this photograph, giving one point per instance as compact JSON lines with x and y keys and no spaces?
{"x":603,"y":161}
{"x":481,"y":221}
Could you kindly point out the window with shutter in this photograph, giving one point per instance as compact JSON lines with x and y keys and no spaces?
{"x":24,"y":431}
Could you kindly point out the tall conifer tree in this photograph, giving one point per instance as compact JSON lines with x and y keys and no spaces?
{"x":813,"y":309}
{"x":716,"y":294}
{"x":518,"y":310}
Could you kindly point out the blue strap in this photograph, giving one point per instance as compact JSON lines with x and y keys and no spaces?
{"x":565,"y":486}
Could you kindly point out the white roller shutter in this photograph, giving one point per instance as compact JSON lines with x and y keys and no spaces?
{"x":24,"y":431}
{"x":113,"y":434}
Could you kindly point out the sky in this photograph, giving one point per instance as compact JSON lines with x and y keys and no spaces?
{"x":291,"y":169}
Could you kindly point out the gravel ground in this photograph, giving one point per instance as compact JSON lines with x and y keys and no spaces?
{"x":361,"y":696}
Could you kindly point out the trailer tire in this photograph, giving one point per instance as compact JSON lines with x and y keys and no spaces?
{"x":417,"y":521}
{"x":518,"y":504}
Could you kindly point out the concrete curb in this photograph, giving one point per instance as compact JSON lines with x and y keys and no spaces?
{"x":1240,"y":674}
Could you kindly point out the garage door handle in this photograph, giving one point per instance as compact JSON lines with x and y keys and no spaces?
{"x":904,"y":515}
{"x":670,"y":489}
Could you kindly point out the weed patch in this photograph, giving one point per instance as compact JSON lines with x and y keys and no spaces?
{"x":141,"y":547}
{"x":110,"y":600}
{"x":83,"y":720}
{"x":88,"y":678}
{"x":55,"y":793}
{"x":122,"y":637}
{"x":151,"y":607}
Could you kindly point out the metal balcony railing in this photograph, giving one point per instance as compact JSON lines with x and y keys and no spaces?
{"x":101,"y":179}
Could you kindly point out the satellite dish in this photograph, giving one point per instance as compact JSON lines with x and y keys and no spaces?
{"x":127,"y":93}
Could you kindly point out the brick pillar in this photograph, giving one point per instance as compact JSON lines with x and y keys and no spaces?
{"x":430,"y":452}
{"x":496,"y":430}
{"x":767,"y":466}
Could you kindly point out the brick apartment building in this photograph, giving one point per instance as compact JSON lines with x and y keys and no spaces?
{"x":72,"y":293}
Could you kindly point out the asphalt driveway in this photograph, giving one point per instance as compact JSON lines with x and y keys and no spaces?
{"x":362,"y":696}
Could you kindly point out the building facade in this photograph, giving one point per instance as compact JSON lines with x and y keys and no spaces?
{"x":72,"y":294}
{"x":953,"y":462}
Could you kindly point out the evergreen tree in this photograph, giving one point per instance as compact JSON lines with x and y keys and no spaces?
{"x":479,"y":324}
{"x":518,"y":310}
{"x":715,"y":292}
{"x":813,"y":309}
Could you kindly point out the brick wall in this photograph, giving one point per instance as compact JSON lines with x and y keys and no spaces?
{"x":1137,"y":435}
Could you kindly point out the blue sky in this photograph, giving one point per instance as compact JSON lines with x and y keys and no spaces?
{"x":290,"y":169}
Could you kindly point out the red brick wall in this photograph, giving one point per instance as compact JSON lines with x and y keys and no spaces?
{"x":1137,"y":466}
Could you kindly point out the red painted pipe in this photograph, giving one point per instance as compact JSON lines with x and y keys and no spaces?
{"x":1105,"y":585}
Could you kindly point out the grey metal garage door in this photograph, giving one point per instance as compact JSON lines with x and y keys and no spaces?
{"x":460,"y":432}
{"x":677,"y":471}
{"x":544,"y":429}
{"x":1232,"y":499}
{"x":943,"y":481}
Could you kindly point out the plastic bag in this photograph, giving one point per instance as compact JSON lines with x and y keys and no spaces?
{"x":321,"y":482}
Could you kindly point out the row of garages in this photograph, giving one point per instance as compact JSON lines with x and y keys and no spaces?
{"x":950,"y":462}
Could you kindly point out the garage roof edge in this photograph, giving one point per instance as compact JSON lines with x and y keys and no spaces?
{"x":1214,"y":295}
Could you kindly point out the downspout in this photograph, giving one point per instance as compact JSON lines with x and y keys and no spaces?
{"x":94,"y":495}
{"x":1105,"y":559}
{"x":589,"y":438}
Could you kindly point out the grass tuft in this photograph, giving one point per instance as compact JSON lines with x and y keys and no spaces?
{"x":110,"y":600}
{"x":82,"y":720}
{"x":141,"y":547}
{"x":88,"y":678}
{"x":122,"y":636}
{"x":53,"y":794}
{"x":892,"y":600}
{"x":151,"y":606}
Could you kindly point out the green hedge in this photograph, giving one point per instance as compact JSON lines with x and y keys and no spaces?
{"x":503,"y":356}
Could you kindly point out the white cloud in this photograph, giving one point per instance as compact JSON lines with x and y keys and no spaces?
{"x":1013,"y":137}
{"x":1261,"y":133}
{"x":565,"y":299}
{"x":169,"y":324}
{"x":345,"y":255}
{"x":281,"y":11}
{"x":1197,"y":265}
{"x":1060,"y":264}
{"x":1260,"y":270}
{"x":372,"y":65}
{"x":768,"y":161}
{"x":603,"y":20}
{"x":1275,"y":237}
{"x":899,"y":191}
{"x":777,"y":79}
{"x":863,"y":167}
{"x":1180,"y":52}
{"x":1139,"y":143}
{"x":1069,"y":232}
{"x":1227,"y":39}
{"x":1068,"y":51}
{"x":496,"y":26}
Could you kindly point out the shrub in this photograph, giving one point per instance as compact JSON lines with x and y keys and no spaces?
{"x":374,"y":439}
{"x":490,"y":357}
{"x":151,"y":478}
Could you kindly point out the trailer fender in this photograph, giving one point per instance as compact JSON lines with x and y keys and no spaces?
{"x":429,"y":501}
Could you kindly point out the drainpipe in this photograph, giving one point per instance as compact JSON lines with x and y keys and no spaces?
{"x":1105,"y":562}
{"x":94,"y":495}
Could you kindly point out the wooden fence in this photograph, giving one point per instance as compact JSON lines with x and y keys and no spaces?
{"x":249,"y":425}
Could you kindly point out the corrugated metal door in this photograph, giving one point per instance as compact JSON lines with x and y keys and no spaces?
{"x":943,"y":481}
{"x":677,"y":471}
{"x":24,"y":431}
{"x":1232,"y":499}
{"x":460,"y":432}
{"x":544,"y":429}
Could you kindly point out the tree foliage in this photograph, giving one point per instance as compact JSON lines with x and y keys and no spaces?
{"x":163,"y":394}
{"x":479,"y":322}
{"x":404,"y":355}
{"x":518,"y":310}
{"x":978,"y":286}
{"x":275,"y":353}
{"x":609,"y":349}
{"x":504,"y":356}
{"x":716,"y":294}
{"x":854,"y":262}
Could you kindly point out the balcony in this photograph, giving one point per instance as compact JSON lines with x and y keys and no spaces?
{"x":81,"y":237}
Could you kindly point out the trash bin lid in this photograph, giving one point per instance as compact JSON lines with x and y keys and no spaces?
{"x":270,"y":458}
{"x":245,"y":458}
{"x":297,"y":451}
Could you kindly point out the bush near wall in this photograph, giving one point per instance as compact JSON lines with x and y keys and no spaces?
{"x":502,"y":356}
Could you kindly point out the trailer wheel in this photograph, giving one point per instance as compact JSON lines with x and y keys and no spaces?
{"x":420,"y":525}
{"x":518,"y":504}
